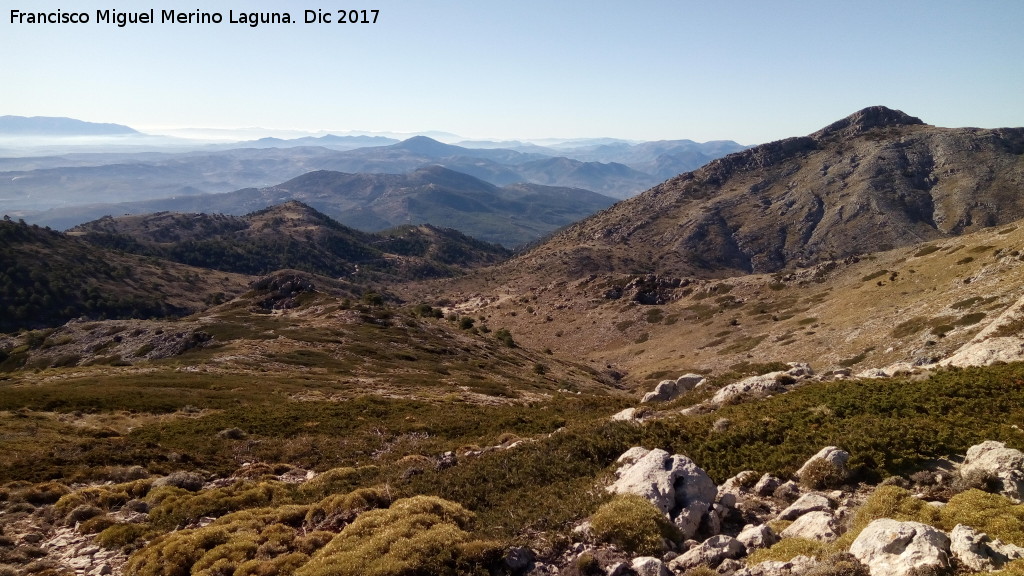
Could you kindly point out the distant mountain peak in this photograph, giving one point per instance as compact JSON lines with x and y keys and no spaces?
{"x":427,"y":145}
{"x":58,"y":126}
{"x":867,"y":119}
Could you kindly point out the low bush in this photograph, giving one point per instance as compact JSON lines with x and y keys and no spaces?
{"x":336,"y":511}
{"x":178,"y":507}
{"x":125,"y":537}
{"x":993,"y":514}
{"x":634,"y":524}
{"x":418,"y":535}
{"x":786,"y":549}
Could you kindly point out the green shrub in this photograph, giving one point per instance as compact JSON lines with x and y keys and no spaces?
{"x":122,"y":536}
{"x":993,"y":514}
{"x":418,"y":535}
{"x":634,"y":524}
{"x":246,"y":542}
{"x":175,"y":506}
{"x":176,"y":553}
{"x":96,"y":524}
{"x":786,"y":549}
{"x":842,"y":564}
{"x":335,"y":511}
{"x":337,"y":481}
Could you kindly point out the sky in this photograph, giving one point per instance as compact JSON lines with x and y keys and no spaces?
{"x":749,"y":71}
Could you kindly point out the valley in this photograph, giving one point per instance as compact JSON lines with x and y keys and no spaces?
{"x":421,"y":358}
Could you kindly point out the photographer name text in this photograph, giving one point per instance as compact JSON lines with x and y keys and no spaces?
{"x":122,"y":19}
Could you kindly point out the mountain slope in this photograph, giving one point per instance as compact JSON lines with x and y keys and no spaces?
{"x":292,"y":236}
{"x":876,"y":180}
{"x":48,"y":278}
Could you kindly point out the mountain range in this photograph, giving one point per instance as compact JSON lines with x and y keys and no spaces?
{"x":61,"y":191}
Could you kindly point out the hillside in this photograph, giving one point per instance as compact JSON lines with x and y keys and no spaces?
{"x":874,"y":181}
{"x":292,"y":236}
{"x":47,"y":278}
{"x":784,"y":252}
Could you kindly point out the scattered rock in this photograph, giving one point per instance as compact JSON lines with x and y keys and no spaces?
{"x":625,"y":415}
{"x":787,"y":491}
{"x":519,"y":558}
{"x":807,"y":503}
{"x":767,"y":485}
{"x":757,"y":536}
{"x":993,"y":460}
{"x":667,"y":390}
{"x":892,"y":548}
{"x":834,"y":455}
{"x":649,"y":566}
{"x":816,"y":525}
{"x":762,"y":385}
{"x":709,"y":553}
{"x":190,"y":481}
{"x":976,"y":551}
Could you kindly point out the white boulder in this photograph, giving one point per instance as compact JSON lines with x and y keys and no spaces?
{"x":673,"y":483}
{"x":893,"y":548}
{"x":994,"y":460}
{"x":817,"y":525}
{"x":978,"y":552}
{"x":812,"y":502}
{"x":709,"y":553}
{"x":649,"y":566}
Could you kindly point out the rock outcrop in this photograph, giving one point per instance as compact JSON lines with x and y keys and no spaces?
{"x":992,"y":460}
{"x":673,"y":483}
{"x":710,"y":553}
{"x":668,"y":390}
{"x":762,"y":385}
{"x":978,"y":552}
{"x":892,"y":548}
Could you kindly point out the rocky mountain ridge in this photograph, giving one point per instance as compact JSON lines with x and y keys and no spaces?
{"x":874,"y":181}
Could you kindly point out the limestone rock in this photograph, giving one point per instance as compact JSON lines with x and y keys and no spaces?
{"x":650,"y":566}
{"x":976,"y":551}
{"x":665,"y":390}
{"x":994,"y":460}
{"x":754,"y":386}
{"x":757,"y":536}
{"x":795,"y":567}
{"x":892,"y":548}
{"x":831,"y":454}
{"x":788,"y":491}
{"x":710,"y":553}
{"x":807,"y":503}
{"x":673,"y":483}
{"x":767,"y":485}
{"x":816,"y":525}
{"x":737,"y":482}
{"x":625,"y":415}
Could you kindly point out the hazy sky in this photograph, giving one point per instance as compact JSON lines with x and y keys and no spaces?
{"x":750,"y":71}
